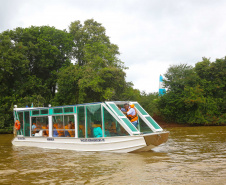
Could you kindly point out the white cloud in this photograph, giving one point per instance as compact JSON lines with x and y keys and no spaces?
{"x":151,"y":34}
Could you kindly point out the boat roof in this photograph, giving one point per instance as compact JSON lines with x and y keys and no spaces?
{"x":83,"y":104}
{"x":32,"y":108}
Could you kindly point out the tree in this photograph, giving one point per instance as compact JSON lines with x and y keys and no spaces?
{"x":149,"y":102}
{"x":213,"y":81}
{"x":35,"y":60}
{"x":195,"y":95}
{"x":179,"y":76}
{"x":83,"y":84}
{"x":97,"y":74}
{"x":30,"y":59}
{"x":93,"y":45}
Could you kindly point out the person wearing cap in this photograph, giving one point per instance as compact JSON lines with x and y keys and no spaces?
{"x":131,"y":114}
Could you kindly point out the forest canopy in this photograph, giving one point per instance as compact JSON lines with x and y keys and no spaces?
{"x":195,"y":95}
{"x":44,"y":65}
{"x":82,"y":64}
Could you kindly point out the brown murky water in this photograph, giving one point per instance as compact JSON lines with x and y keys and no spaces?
{"x":193,"y":155}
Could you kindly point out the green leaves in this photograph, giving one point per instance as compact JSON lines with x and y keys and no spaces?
{"x":35,"y":60}
{"x":84,"y":84}
{"x":195,"y":95}
{"x":98,"y":72}
{"x":30,"y":59}
{"x":93,"y":46}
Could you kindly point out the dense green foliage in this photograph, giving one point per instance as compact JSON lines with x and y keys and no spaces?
{"x":97,"y":74}
{"x":30,"y":59}
{"x":149,"y":102}
{"x":85,"y":67}
{"x":195,"y":95}
{"x":82,"y":63}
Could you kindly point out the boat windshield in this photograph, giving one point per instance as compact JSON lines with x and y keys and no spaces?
{"x":146,"y":124}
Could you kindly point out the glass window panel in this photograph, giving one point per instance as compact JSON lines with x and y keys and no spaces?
{"x":112,"y":127}
{"x":68,"y":110}
{"x":26,"y":124}
{"x":115,"y":108}
{"x":58,"y":126}
{"x":139,"y":108}
{"x":40,"y":126}
{"x":69,"y":125}
{"x":143,"y":127}
{"x":21,"y":119}
{"x":45,"y":111}
{"x":57,"y":110}
{"x":81,"y":121}
{"x":94,"y":121}
{"x":35,"y":112}
{"x":129,"y":124}
{"x":154,"y":124}
{"x":33,"y":126}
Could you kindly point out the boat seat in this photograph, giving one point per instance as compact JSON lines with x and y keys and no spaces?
{"x":39,"y":133}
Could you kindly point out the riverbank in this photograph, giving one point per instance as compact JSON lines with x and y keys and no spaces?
{"x":6,"y":131}
{"x":164,"y":124}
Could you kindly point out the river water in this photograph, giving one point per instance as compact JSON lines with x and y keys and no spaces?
{"x":192,"y":155}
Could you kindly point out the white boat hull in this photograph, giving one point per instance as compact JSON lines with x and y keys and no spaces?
{"x":119,"y":144}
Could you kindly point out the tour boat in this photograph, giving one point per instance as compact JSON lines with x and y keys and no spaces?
{"x":99,"y":127}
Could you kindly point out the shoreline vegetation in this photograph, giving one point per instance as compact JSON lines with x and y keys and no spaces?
{"x":44,"y":65}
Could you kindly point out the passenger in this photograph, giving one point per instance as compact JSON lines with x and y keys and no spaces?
{"x":33,"y":128}
{"x":72,"y":127}
{"x":60,"y":130}
{"x":69,"y":132}
{"x":45,"y":130}
{"x":131,"y":114}
{"x":123,"y":109}
{"x":97,"y":131}
{"x":55,"y":133}
{"x":38,"y":126}
{"x":110,"y":127}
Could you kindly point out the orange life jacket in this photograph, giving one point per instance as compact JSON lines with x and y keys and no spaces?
{"x":134,"y":117}
{"x":60,"y":132}
{"x":71,"y":132}
{"x":46,"y":130}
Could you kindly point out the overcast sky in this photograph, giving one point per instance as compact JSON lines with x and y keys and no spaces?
{"x":151,"y":34}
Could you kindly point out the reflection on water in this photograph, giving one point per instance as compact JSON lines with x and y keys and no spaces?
{"x":192,"y":155}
